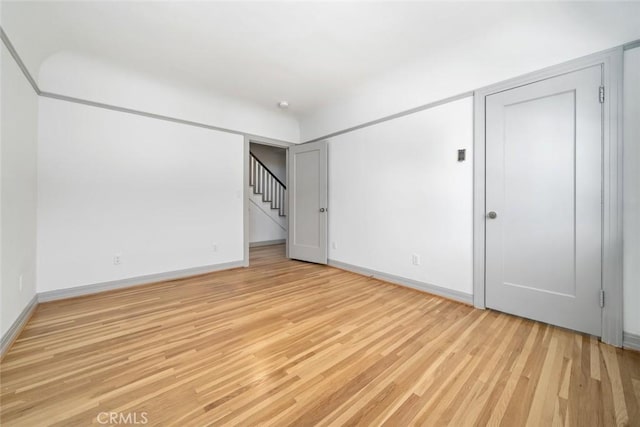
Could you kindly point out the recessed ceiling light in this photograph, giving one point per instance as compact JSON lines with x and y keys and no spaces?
{"x":283,"y":104}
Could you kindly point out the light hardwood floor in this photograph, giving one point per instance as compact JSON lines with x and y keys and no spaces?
{"x":290,"y":343}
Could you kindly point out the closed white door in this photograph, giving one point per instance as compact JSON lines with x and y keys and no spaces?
{"x":544,"y":201}
{"x":308,"y":202}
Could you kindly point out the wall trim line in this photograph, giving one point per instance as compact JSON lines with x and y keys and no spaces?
{"x":16,"y":57}
{"x":457,"y":296}
{"x":136,"y":112}
{"x":625,"y":46}
{"x":155,"y":116}
{"x":45,"y":94}
{"x":130,"y":282}
{"x":631,"y":45}
{"x":395,"y":116}
{"x":268,"y":141}
{"x":18,"y":325}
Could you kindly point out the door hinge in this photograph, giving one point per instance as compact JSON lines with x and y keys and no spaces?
{"x":601,"y":94}
{"x":601,"y":298}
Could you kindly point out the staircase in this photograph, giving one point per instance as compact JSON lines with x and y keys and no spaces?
{"x":264,"y":182}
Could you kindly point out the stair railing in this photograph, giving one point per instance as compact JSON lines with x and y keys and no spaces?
{"x":264,"y":182}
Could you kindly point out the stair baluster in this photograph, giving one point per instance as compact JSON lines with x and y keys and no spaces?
{"x":265,"y":183}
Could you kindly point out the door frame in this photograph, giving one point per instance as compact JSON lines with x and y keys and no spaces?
{"x":611,"y":61}
{"x":248,"y":139}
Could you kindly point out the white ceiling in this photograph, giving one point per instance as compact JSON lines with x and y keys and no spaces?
{"x":308,"y":53}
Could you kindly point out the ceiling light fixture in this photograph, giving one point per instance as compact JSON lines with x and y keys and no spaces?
{"x":283,"y":104}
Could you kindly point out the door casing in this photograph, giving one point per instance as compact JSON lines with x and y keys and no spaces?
{"x":248,"y":139}
{"x":611,"y":61}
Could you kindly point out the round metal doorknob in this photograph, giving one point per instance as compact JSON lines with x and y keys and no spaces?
{"x":322,"y":209}
{"x":492,"y":215}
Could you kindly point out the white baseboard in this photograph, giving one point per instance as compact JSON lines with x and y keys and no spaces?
{"x":134,"y":281}
{"x":402,"y":281}
{"x":9,"y":337}
{"x":14,"y":330}
{"x":631,"y":341}
{"x":267,"y":243}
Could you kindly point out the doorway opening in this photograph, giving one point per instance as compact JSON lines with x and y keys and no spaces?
{"x":266,"y":222}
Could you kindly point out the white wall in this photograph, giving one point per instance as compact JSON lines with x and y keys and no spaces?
{"x":428,"y":195}
{"x":631,"y":212}
{"x":396,"y":188}
{"x":160,"y":194}
{"x":264,"y":223}
{"x":98,"y":80}
{"x":19,"y":121}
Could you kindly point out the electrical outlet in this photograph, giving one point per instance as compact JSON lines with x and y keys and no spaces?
{"x":20,"y":283}
{"x":214,"y":247}
{"x":334,"y":245}
{"x":415,"y":259}
{"x":117,"y":259}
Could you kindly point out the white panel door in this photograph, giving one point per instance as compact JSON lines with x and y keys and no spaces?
{"x":308,"y":202}
{"x":544,"y":201}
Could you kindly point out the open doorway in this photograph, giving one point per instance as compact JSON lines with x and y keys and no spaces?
{"x":266,"y":214}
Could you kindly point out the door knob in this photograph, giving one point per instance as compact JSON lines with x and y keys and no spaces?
{"x":492,"y":215}
{"x":322,"y":209}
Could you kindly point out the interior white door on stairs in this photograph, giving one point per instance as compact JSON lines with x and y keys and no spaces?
{"x":544,"y":201}
{"x":308,"y":202}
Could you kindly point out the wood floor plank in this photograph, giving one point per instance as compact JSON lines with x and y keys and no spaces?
{"x":287,"y":343}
